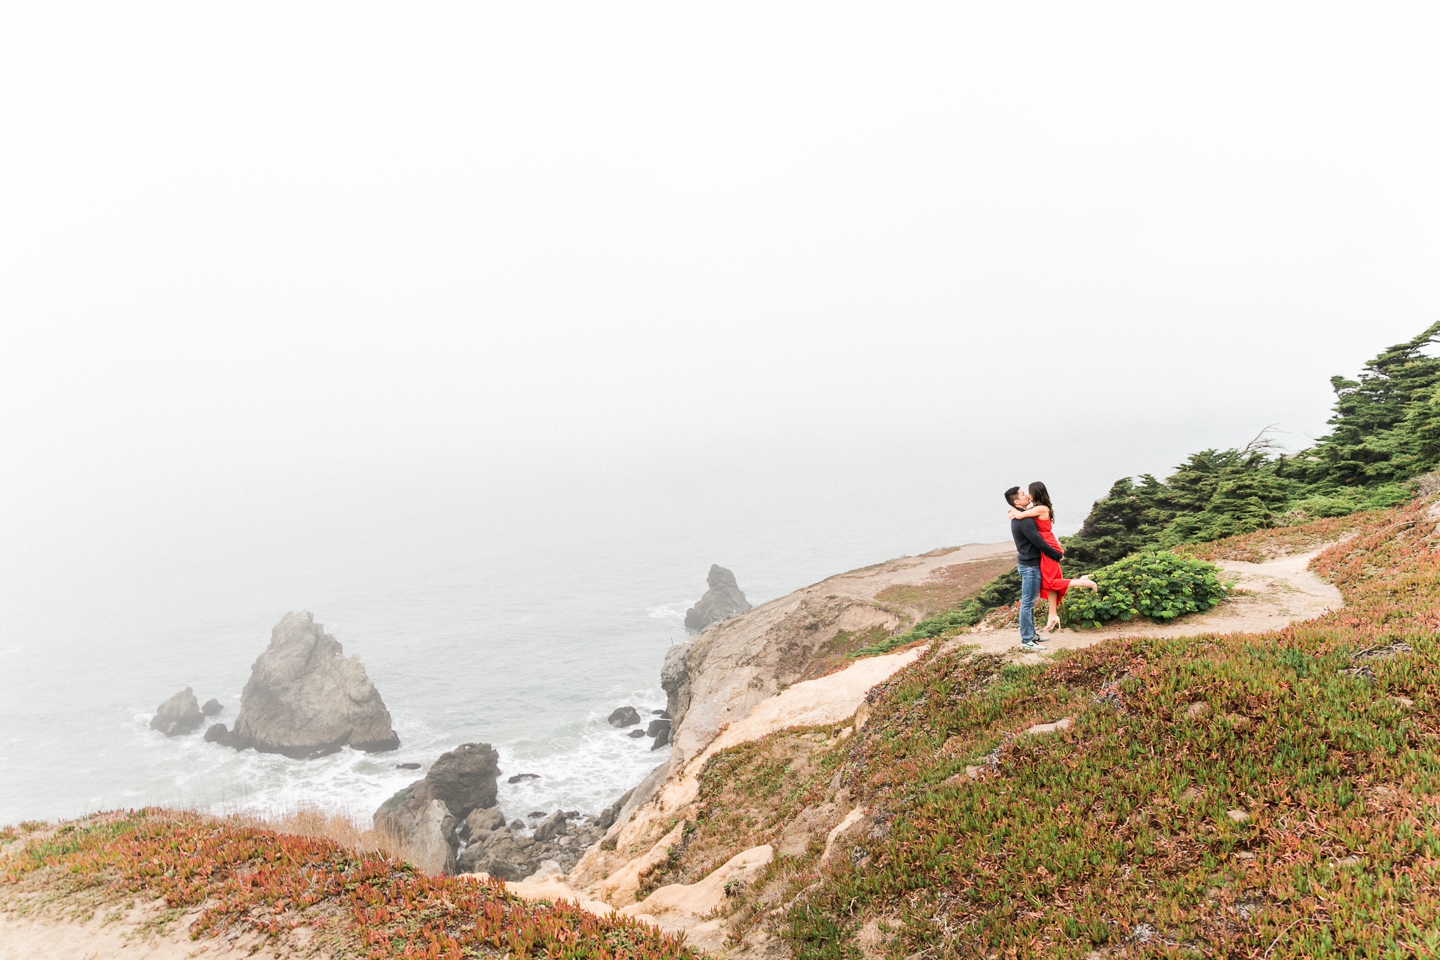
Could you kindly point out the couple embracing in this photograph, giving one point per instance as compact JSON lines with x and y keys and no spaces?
{"x":1037,"y":557}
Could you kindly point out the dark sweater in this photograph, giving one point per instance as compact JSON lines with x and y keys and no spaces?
{"x":1029,"y":544}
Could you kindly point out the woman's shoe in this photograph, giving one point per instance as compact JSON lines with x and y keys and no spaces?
{"x":1052,"y":626}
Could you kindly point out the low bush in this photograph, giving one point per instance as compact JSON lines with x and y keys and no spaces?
{"x":1159,"y":586}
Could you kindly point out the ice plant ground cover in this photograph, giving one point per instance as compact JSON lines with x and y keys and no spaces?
{"x":242,"y":876}
{"x":1264,"y":795}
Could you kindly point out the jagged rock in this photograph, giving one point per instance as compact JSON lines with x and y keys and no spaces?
{"x":608,"y":815}
{"x":517,"y":824}
{"x":305,"y":698}
{"x":551,"y":827}
{"x":623,"y":717}
{"x":675,"y":679}
{"x":465,"y":777}
{"x":722,"y":600}
{"x":180,"y":715}
{"x":217,"y":733}
{"x":656,"y":726}
{"x":212,"y":708}
{"x":523,"y":776}
{"x":662,"y":738}
{"x":431,"y":846}
{"x":461,"y":781}
{"x":659,"y":713}
{"x":636,"y":734}
{"x":407,"y":766}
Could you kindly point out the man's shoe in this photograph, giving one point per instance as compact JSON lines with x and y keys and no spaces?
{"x":1031,"y":645}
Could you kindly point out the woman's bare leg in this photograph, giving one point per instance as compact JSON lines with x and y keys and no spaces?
{"x":1054,"y":597}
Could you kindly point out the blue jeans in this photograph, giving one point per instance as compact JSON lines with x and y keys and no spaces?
{"x":1029,"y":593}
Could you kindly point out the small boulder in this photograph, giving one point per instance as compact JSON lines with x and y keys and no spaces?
{"x":212,"y":708}
{"x":485,"y":820}
{"x":656,"y":726}
{"x":551,"y":827}
{"x":407,"y":766}
{"x":636,"y":734}
{"x":517,"y":824}
{"x":217,"y":733}
{"x":181,"y":714}
{"x":623,"y":717}
{"x":659,"y":713}
{"x":662,"y":738}
{"x":523,"y":776}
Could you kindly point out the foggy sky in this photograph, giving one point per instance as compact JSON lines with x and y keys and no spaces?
{"x":259,"y":255}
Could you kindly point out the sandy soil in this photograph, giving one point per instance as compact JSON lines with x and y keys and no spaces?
{"x":1267,"y":596}
{"x":128,"y":937}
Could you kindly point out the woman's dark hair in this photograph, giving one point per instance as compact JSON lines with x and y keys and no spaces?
{"x":1041,"y":496}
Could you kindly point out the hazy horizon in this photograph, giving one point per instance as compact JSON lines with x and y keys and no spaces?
{"x":356,"y":305}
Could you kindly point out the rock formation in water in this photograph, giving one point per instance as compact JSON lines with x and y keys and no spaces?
{"x":424,"y":815}
{"x":178,"y":715}
{"x":305,"y":698}
{"x":212,"y":708}
{"x":455,"y":804}
{"x":722,"y":600}
{"x":623,"y":717}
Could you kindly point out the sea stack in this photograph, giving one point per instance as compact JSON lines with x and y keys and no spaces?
{"x":424,"y":815}
{"x":305,"y":698}
{"x":722,"y":600}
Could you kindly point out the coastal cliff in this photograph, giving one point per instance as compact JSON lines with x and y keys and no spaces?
{"x":944,"y":798}
{"x":796,"y":767}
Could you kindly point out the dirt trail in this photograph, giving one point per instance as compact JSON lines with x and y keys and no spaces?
{"x":1267,"y":596}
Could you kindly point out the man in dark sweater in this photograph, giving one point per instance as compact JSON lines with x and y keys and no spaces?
{"x":1029,"y":545}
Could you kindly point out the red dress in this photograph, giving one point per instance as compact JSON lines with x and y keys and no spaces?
{"x":1051,"y":579}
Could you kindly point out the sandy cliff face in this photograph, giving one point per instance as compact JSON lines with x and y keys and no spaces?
{"x":723,"y":674}
{"x":783,"y":665}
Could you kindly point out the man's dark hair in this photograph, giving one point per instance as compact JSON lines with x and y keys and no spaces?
{"x":1010,"y":495}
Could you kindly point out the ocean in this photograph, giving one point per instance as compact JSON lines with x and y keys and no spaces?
{"x":519,"y":617}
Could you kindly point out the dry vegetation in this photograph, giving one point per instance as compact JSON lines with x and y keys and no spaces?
{"x":947,"y":587}
{"x":240,"y":877}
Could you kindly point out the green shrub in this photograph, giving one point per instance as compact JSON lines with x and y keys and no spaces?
{"x":1160,"y":586}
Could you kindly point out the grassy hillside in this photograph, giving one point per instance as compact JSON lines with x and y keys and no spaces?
{"x":359,"y":905}
{"x":1256,"y":796}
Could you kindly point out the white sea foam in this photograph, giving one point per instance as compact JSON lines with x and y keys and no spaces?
{"x":672,"y":611}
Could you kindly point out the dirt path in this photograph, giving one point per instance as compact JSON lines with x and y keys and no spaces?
{"x":1267,"y":596}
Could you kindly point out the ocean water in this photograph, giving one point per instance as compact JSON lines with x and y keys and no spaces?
{"x":519,"y":617}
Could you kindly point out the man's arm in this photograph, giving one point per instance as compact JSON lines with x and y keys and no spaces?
{"x":1032,"y":533}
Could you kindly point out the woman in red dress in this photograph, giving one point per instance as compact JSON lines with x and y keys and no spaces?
{"x":1053,"y":584}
